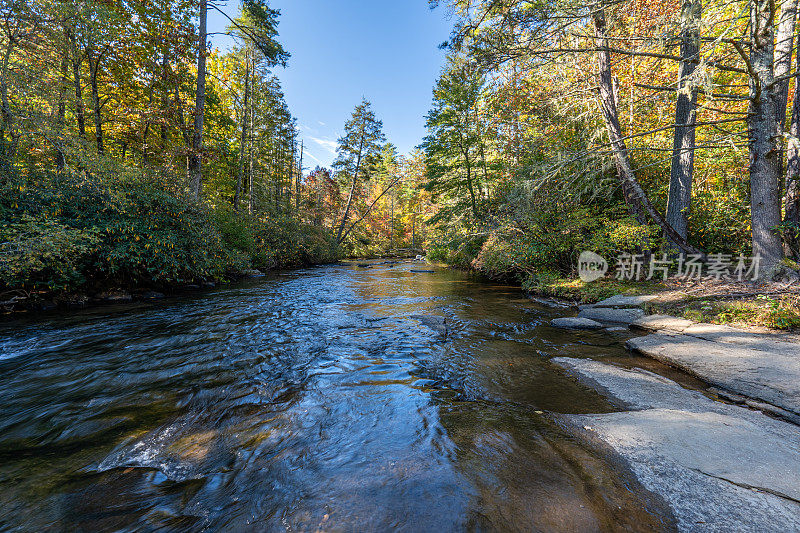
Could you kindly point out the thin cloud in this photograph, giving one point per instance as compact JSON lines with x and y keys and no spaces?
{"x":325,"y":143}
{"x":312,"y":156}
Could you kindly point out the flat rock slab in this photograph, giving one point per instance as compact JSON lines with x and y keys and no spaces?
{"x":659,"y":322}
{"x":720,"y":467}
{"x":575,"y":323}
{"x":612,"y":316}
{"x":770,"y":376}
{"x":626,"y":301}
{"x":749,"y":339}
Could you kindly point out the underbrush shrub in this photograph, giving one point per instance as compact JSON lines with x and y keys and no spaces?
{"x":37,"y":252}
{"x":71,"y":232}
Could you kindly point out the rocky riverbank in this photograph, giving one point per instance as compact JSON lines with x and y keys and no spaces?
{"x":726,"y":459}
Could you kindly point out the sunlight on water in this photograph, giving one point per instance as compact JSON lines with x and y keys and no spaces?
{"x":333,"y":398}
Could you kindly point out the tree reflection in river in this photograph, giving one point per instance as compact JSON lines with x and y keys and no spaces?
{"x":310,"y":400}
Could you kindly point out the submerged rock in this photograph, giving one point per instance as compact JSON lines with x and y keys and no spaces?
{"x":152,"y":295}
{"x":575,"y":323}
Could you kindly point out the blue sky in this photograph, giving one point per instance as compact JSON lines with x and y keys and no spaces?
{"x":384,"y":50}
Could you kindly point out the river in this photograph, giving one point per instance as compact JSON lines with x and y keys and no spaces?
{"x":335,"y":398}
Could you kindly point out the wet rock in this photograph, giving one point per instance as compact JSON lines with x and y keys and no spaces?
{"x":46,"y":305}
{"x":422,"y":271}
{"x":208,"y":284}
{"x":720,"y":467}
{"x":769,"y":376}
{"x":612,"y":316}
{"x":115,"y":297}
{"x":659,"y":322}
{"x":575,"y":323}
{"x":253,"y":273}
{"x":626,"y":301}
{"x":549,"y":302}
{"x":727,"y":395}
{"x":152,"y":295}
{"x":73,"y":301}
{"x":191,"y":286}
{"x":436,"y":323}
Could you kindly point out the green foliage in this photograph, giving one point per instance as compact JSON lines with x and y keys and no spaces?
{"x":37,"y":252}
{"x":551,"y":284}
{"x":70,"y":232}
{"x":776,"y":313}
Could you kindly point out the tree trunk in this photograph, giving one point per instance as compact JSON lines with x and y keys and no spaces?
{"x":80,"y":112}
{"x":468,"y":168}
{"x":243,"y":140}
{"x":621,"y":155}
{"x":7,"y":149}
{"x":682,"y":170}
{"x":763,"y":133}
{"x":391,"y":225}
{"x":352,"y":188}
{"x":94,"y":67}
{"x":792,"y":198}
{"x":196,"y":155}
{"x":784,"y":43}
{"x":62,"y":112}
{"x":297,"y":181}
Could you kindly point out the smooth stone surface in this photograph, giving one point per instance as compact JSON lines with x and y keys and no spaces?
{"x":626,"y":301}
{"x":575,"y":323}
{"x":610,"y":315}
{"x":768,"y":342}
{"x":658,"y":322}
{"x":720,"y":467}
{"x":770,"y":376}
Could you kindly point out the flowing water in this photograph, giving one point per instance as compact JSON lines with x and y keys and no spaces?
{"x":336,"y":398}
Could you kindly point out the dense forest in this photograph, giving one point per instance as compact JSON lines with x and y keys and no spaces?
{"x":623,"y":126}
{"x":134,"y":153}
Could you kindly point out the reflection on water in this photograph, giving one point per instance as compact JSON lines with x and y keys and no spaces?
{"x":334,"y":398}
